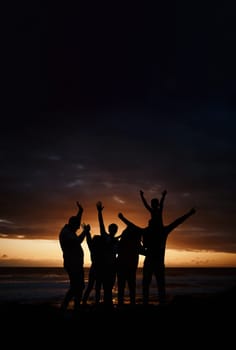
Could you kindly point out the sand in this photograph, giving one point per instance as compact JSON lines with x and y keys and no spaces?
{"x":185,"y":321}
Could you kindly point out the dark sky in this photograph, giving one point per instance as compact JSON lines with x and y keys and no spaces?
{"x":102,"y":101}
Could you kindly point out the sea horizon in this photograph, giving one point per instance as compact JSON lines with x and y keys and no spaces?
{"x":27,"y":284}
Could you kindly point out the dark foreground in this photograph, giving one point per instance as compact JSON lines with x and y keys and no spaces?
{"x":185,"y":321}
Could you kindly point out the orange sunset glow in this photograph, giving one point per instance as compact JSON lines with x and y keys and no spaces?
{"x":182,"y":249}
{"x":20,"y":252}
{"x":186,"y":246}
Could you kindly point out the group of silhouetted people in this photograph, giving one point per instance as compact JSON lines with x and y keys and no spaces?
{"x":115,"y":258}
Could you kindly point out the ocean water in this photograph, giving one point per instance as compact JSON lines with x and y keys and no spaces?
{"x":42,"y":284}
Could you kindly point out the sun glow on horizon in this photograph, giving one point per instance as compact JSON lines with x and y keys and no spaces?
{"x":26,"y":252}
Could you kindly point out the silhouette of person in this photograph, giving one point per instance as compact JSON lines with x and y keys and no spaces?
{"x":154,"y":241}
{"x":155,"y":209}
{"x":73,"y":258}
{"x":129,"y":248}
{"x":110,"y":244}
{"x":95,"y":245}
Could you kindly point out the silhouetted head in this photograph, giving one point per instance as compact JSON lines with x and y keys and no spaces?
{"x":112,"y":229}
{"x":97,"y":238}
{"x":155,"y":203}
{"x":74,"y":222}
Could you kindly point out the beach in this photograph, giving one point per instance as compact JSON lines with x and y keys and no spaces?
{"x":191,"y":316}
{"x":182,"y":320}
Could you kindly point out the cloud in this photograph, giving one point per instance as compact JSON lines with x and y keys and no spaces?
{"x":4,"y":221}
{"x":119,"y":200}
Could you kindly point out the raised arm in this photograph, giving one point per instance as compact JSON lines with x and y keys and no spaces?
{"x":100,"y":218}
{"x":145,"y":203}
{"x":84,"y":233}
{"x":80,"y":212}
{"x":125,"y":220}
{"x":162,"y":200}
{"x":179,"y":220}
{"x":88,"y":235}
{"x":161,"y":206}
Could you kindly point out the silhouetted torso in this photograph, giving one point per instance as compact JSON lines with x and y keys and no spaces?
{"x":73,"y":253}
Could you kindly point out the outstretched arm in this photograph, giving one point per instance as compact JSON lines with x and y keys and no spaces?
{"x":100,"y":218}
{"x":80,"y":212}
{"x":125,"y":220}
{"x":145,"y":203}
{"x":179,"y":220}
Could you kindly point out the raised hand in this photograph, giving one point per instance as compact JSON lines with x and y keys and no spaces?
{"x":193,"y":211}
{"x":99,"y":206}
{"x":120,"y":215}
{"x":79,"y":206}
{"x":86,"y":227}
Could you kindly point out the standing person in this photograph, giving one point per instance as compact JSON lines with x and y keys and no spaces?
{"x":110,"y":243}
{"x":129,"y":248}
{"x":73,"y":258}
{"x":154,"y":262}
{"x":154,"y":240}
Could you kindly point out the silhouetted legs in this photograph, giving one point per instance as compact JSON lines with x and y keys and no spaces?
{"x":125,"y":274}
{"x":95,"y":278}
{"x":91,"y":282}
{"x":121,"y":281}
{"x":75,"y":291}
{"x":150,"y":268}
{"x":108,"y":281}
